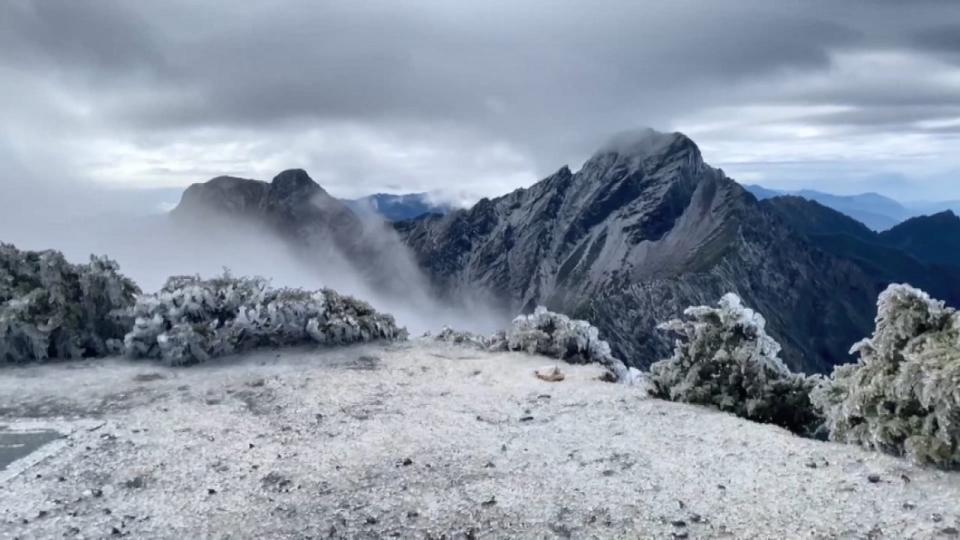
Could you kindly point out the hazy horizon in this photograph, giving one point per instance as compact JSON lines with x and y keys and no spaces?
{"x":473,"y":101}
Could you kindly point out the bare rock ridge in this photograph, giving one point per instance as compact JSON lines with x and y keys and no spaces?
{"x":644,"y":229}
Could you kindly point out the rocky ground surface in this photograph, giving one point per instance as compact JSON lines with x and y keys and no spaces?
{"x":428,"y":441}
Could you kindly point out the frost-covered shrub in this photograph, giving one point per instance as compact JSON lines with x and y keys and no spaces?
{"x":191,"y":320}
{"x":51,"y":309}
{"x":723,"y":357}
{"x":903,"y":394}
{"x":549,"y":334}
{"x":460,"y":337}
{"x":558,"y":336}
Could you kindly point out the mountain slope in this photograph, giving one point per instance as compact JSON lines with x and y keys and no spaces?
{"x":933,"y":238}
{"x":642,"y":231}
{"x":878,"y":255}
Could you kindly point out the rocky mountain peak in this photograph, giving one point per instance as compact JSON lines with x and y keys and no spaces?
{"x":223,"y":194}
{"x":294,"y":182}
{"x":636,"y":147}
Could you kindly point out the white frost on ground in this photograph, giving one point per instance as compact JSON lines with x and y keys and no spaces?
{"x":417,"y":439}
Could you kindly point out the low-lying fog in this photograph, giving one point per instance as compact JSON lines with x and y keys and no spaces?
{"x":150,"y":246}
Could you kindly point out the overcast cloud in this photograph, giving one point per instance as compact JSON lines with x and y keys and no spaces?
{"x":474,"y":99}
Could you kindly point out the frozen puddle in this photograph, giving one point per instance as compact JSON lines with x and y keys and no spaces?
{"x":18,"y":444}
{"x":24,"y":444}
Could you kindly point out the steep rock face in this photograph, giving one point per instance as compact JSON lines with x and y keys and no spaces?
{"x":642,"y":231}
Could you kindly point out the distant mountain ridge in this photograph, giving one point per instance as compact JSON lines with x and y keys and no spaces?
{"x":872,"y":209}
{"x":394,"y":207}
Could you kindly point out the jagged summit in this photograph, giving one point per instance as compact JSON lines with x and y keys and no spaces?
{"x":294,"y":182}
{"x":644,"y":142}
{"x":646,"y":148}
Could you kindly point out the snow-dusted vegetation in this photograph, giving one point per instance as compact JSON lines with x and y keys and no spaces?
{"x":51,"y":309}
{"x":558,"y":336}
{"x":549,"y":334}
{"x":191,"y":319}
{"x":903,"y":394}
{"x":724,"y":357}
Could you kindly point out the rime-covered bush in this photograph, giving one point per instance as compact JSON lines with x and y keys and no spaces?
{"x":903,"y":394}
{"x":723,"y":357}
{"x":191,"y":320}
{"x":558,"y":336}
{"x":51,"y":309}
{"x":460,"y":337}
{"x":549,"y":334}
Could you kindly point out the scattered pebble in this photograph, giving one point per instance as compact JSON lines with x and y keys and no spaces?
{"x":549,"y":374}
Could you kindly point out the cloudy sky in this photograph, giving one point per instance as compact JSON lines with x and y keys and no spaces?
{"x":475,"y":98}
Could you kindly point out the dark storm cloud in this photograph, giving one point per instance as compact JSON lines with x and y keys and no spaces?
{"x":99,"y":38}
{"x":421,"y":87}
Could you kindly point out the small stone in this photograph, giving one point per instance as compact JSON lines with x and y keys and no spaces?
{"x":909,"y":506}
{"x":97,"y":492}
{"x":950,"y":531}
{"x":678,"y":523}
{"x":211,"y":491}
{"x":549,"y":374}
{"x":873,"y":478}
{"x":42,"y":513}
{"x":721,"y":487}
{"x":407,"y":462}
{"x":489,"y":502}
{"x":526,"y":418}
{"x":937,"y":518}
{"x":115,"y":532}
{"x":134,"y":483}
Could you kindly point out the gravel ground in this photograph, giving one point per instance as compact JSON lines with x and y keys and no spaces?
{"x":427,"y":441}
